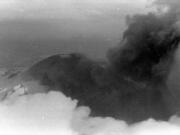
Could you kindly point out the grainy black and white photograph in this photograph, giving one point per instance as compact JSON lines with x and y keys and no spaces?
{"x":89,"y":67}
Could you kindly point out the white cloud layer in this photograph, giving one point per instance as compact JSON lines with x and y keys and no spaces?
{"x":55,"y":114}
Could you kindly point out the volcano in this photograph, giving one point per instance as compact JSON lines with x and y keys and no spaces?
{"x":132,"y":84}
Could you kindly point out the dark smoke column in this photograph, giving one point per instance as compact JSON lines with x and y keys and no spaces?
{"x":149,"y":42}
{"x":145,"y":57}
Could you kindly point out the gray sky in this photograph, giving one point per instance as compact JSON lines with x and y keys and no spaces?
{"x":31,"y":29}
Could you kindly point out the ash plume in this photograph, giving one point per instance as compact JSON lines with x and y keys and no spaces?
{"x":131,"y":86}
{"x":147,"y":44}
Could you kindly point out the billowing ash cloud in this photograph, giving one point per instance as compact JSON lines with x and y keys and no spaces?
{"x":148,"y":43}
{"x":132,"y":85}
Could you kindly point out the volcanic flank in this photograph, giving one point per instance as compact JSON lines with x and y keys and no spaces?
{"x":132,"y":85}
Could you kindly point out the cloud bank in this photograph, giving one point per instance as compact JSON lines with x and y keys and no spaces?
{"x":55,"y":114}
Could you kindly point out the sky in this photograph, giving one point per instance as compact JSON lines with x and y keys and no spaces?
{"x":30,"y":30}
{"x":46,"y":8}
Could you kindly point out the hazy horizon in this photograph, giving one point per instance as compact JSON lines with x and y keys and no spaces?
{"x":31,"y":30}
